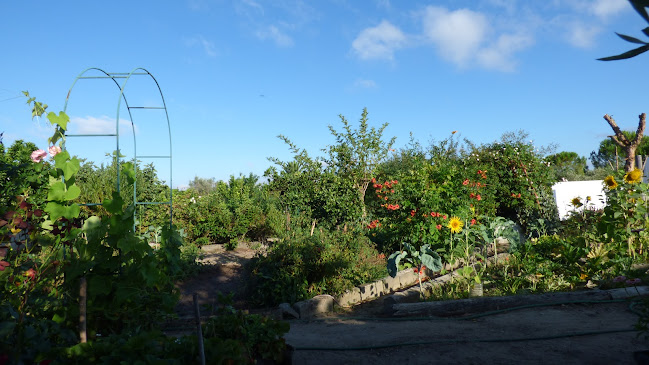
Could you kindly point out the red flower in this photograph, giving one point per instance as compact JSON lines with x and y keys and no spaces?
{"x":473,"y":221}
{"x":31,"y":273}
{"x":443,"y":216}
{"x":412,"y":213}
{"x":392,"y":191}
{"x":465,"y":182}
{"x":423,"y":268}
{"x":395,"y":182}
{"x":386,"y":198}
{"x":478,"y":197}
{"x":519,"y":195}
{"x":471,"y":195}
{"x":513,"y":195}
{"x":439,"y":226}
{"x":396,"y":206}
{"x":374,"y":181}
{"x":415,"y":270}
{"x":433,"y":214}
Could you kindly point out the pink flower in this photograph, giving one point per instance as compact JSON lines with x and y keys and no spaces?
{"x":619,"y":279}
{"x":633,"y":282}
{"x":54,"y":150}
{"x":38,"y":155}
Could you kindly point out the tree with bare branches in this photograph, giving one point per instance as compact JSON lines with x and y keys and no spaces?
{"x":629,"y":146}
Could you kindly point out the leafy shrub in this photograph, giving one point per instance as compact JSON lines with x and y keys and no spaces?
{"x":520,"y":179}
{"x":231,"y":211}
{"x":304,"y":266}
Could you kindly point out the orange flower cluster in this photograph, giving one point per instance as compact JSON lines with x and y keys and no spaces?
{"x":516,"y":195}
{"x":390,"y":206}
{"x":419,"y":271}
{"x":384,"y":190}
{"x":373,"y":224}
{"x":482,"y":173}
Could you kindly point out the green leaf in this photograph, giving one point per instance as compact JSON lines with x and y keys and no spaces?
{"x":61,"y":120}
{"x":431,"y":260}
{"x":630,"y":39}
{"x":72,"y":193}
{"x":625,"y":55}
{"x":91,"y":223}
{"x":56,"y":191}
{"x":58,"y":210}
{"x":114,"y":205}
{"x":58,"y":319}
{"x":646,"y":31}
{"x":129,"y":171}
{"x":393,"y":262}
{"x":68,"y":165}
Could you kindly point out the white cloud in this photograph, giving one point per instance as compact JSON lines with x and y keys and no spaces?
{"x":458,"y":34}
{"x":251,"y":5}
{"x":606,"y":8}
{"x":273,"y":33}
{"x":582,"y":35}
{"x":366,"y":84}
{"x":499,"y":56}
{"x":99,"y":125}
{"x":379,"y":42}
{"x":200,"y":41}
{"x":467,"y":38}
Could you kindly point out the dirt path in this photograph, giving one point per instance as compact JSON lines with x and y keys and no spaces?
{"x":565,"y":334}
{"x":546,"y":335}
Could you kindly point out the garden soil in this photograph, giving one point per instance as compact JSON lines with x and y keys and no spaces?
{"x":560,"y":334}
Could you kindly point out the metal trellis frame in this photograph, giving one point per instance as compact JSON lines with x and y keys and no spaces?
{"x":125,"y":77}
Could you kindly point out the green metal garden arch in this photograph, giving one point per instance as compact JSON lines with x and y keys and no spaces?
{"x":94,"y":73}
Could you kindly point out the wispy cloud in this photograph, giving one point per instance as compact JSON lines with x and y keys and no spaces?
{"x":365,"y":84}
{"x":250,"y":7}
{"x":582,"y":35}
{"x":273,"y":33}
{"x":499,"y":55}
{"x":200,"y":41}
{"x":99,"y":125}
{"x":607,"y":8}
{"x":379,"y":42}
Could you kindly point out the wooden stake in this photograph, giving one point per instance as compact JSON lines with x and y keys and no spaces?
{"x":83,"y":300}
{"x":199,"y":330}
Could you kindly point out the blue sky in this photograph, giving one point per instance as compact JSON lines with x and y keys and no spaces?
{"x":237,"y":73}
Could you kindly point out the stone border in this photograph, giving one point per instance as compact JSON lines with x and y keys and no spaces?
{"x":402,"y":288}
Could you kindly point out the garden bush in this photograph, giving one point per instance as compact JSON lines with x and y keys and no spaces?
{"x":229,"y":212}
{"x":300,"y":267}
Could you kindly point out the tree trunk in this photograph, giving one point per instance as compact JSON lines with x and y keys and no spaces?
{"x":629,"y":146}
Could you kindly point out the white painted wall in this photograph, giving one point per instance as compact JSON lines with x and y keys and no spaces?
{"x":565,"y":191}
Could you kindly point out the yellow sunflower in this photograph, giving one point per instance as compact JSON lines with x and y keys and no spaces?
{"x":576,"y":202}
{"x":634,"y":176}
{"x":610,"y":182}
{"x":455,"y":224}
